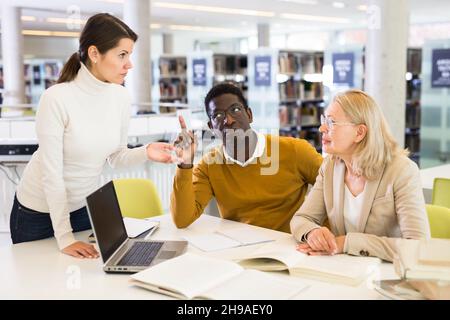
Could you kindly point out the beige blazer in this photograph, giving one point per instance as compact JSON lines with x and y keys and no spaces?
{"x":394,"y":207}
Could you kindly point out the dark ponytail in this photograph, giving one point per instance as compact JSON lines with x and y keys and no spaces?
{"x":70,"y":69}
{"x":101,"y":30}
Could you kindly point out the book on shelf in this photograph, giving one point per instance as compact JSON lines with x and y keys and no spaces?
{"x":289,"y":62}
{"x":172,"y":66}
{"x":283,"y":114}
{"x":414,"y":61}
{"x":230,"y":64}
{"x":191,"y":276}
{"x":341,"y":268}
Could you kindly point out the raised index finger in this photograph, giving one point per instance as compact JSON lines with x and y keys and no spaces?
{"x":182,"y":122}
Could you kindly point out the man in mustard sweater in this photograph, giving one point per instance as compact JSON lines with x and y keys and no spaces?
{"x":257,"y":179}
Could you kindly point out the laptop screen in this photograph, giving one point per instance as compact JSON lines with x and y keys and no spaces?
{"x":106,"y":219}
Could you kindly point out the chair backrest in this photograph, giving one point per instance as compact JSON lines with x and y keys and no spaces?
{"x":441,"y":192}
{"x":138,"y":198}
{"x":439,"y":218}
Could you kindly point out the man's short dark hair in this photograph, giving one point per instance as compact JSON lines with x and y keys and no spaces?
{"x":224,"y":88}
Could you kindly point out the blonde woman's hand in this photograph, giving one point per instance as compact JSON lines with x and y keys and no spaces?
{"x":81,"y":250}
{"x":319,"y":241}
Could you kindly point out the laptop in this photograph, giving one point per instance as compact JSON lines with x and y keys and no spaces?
{"x":120,"y":253}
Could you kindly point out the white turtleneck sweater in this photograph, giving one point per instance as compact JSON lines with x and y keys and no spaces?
{"x":80,"y":125}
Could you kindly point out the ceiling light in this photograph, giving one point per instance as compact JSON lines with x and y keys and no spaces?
{"x":224,"y":10}
{"x":112,"y":1}
{"x":339,"y":5}
{"x":362,"y":7}
{"x":47,"y":33}
{"x":28,"y":18}
{"x":313,"y":18}
{"x":155,"y":26}
{"x":312,"y":2}
{"x":66,"y":20}
{"x":198,"y":28}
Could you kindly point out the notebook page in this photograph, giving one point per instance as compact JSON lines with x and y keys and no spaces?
{"x":211,"y":242}
{"x":340,"y":265}
{"x":189,"y":274}
{"x":246,"y":236}
{"x":255,"y":285}
{"x":135,"y":227}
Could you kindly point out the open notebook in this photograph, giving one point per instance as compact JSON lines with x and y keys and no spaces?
{"x":192,"y":276}
{"x":344,"y":269}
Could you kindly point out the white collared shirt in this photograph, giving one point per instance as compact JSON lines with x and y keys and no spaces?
{"x":259,"y":150}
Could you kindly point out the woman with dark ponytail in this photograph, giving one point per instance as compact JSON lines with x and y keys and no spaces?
{"x":81,"y":123}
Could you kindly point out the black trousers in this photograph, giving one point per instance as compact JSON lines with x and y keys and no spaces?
{"x":29,"y":225}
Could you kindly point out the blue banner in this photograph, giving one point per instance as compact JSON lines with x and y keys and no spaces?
{"x":263,"y":71}
{"x":440,"y":75}
{"x":199,"y":70}
{"x":343,"y":68}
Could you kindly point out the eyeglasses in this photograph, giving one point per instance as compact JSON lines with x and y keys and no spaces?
{"x":235,"y":111}
{"x":330,"y":123}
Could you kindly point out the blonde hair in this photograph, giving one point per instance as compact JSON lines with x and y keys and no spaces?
{"x":378,"y":147}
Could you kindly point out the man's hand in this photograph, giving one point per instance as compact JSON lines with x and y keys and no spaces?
{"x":185,"y":146}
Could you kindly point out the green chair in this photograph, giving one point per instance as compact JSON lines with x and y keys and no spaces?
{"x":439,"y":218}
{"x":441,"y":192}
{"x":138,"y":198}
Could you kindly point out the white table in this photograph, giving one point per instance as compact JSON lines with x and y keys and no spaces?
{"x":428,"y":175}
{"x":37,"y":270}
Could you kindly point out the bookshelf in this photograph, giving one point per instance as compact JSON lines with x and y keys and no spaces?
{"x":39,"y":74}
{"x":231,"y":68}
{"x":206,"y":69}
{"x":171,"y":81}
{"x":286,"y":92}
{"x":301,"y":94}
{"x":356,"y":80}
{"x":413,"y":110}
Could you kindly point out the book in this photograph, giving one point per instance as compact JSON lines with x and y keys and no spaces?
{"x":423,"y":259}
{"x":434,"y":252}
{"x":191,"y":276}
{"x":341,"y":268}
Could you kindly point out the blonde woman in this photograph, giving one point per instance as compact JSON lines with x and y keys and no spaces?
{"x":367,"y":187}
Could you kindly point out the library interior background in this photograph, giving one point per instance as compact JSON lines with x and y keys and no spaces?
{"x":288,"y":56}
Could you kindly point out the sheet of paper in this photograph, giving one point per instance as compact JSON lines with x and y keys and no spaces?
{"x":135,"y":227}
{"x":212,"y":242}
{"x":246,"y":236}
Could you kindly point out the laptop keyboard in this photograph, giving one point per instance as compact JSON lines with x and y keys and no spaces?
{"x":141,"y":254}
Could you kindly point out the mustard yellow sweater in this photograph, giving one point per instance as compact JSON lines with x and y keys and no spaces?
{"x":244,"y":194}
